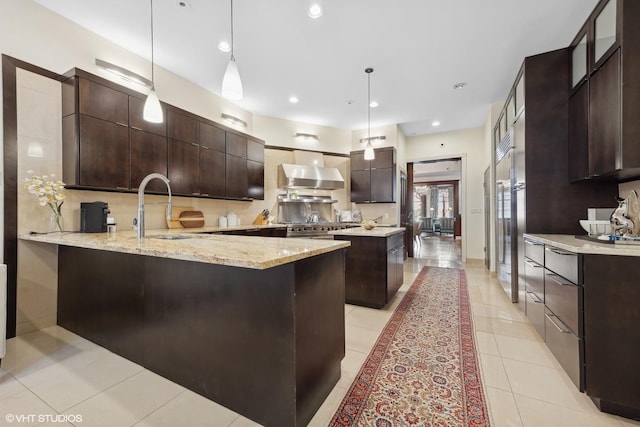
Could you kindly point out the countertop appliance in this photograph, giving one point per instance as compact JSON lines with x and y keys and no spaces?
{"x":93,"y":217}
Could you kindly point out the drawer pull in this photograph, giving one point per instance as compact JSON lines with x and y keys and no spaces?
{"x":559,"y":252}
{"x":561,"y":283}
{"x":532,"y":264}
{"x":537,"y":301}
{"x":564,"y":331}
{"x":532,"y":243}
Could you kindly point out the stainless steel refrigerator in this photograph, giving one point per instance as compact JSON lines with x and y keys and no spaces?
{"x":504,"y":224}
{"x":510,"y":211}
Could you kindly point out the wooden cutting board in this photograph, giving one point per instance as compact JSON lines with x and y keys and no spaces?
{"x":174,"y":222}
{"x":191,"y":219}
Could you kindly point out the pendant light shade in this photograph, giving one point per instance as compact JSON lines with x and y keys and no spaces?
{"x":231,"y":82}
{"x":152,"y":111}
{"x":369,"y":154}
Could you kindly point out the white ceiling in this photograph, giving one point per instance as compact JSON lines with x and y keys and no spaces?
{"x":418,"y":48}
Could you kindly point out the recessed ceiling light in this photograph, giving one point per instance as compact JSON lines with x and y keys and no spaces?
{"x":183,"y":3}
{"x":293,"y":99}
{"x":224,"y":46}
{"x":374,"y":104}
{"x":435,"y":123}
{"x":315,"y":11}
{"x":459,"y":85}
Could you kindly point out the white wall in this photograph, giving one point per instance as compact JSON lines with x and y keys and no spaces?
{"x":471,"y":146}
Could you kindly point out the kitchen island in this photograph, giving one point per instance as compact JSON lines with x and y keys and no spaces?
{"x":374,"y":264}
{"x":255,"y":324}
{"x":601,"y":280}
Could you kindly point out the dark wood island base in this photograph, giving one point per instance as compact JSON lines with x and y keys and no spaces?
{"x":264,"y":343}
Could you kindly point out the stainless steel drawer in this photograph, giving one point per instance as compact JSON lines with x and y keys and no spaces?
{"x":562,"y":262}
{"x":562,"y":298}
{"x":534,"y":308}
{"x":565,"y":346}
{"x":534,"y":250}
{"x":395,"y":240}
{"x":534,"y":277}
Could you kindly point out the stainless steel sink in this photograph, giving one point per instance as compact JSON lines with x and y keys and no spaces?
{"x":172,"y":237}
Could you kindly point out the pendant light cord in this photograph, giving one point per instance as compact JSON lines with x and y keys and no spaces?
{"x":153,"y":80}
{"x":369,"y":107}
{"x":233,"y":58}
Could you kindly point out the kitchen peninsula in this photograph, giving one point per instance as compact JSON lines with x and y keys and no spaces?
{"x":255,"y":324}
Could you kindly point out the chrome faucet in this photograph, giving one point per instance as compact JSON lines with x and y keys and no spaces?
{"x":143,"y":185}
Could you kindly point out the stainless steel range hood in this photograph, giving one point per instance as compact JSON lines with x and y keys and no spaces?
{"x":314,"y":177}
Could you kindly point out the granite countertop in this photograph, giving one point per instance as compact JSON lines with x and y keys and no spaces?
{"x":573,"y":244}
{"x":376,"y":232}
{"x":238,"y":251}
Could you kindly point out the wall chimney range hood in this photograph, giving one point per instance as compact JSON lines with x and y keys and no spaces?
{"x":293,"y":177}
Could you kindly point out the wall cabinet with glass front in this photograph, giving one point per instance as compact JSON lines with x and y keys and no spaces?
{"x":603,"y":111}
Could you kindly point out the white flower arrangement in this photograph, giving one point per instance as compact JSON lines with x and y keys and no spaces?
{"x":49,"y":192}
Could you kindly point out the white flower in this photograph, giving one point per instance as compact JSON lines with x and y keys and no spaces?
{"x":46,"y":189}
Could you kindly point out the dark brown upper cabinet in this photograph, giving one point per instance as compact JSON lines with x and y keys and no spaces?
{"x":95,"y":137}
{"x":107,"y":145}
{"x":148,"y":155}
{"x":374,"y":181}
{"x":606,"y":59}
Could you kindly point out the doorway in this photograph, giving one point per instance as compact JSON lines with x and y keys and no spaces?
{"x":436,"y":210}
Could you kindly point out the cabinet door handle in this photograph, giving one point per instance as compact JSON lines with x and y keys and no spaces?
{"x":194,"y":144}
{"x":195,"y":194}
{"x":562,"y":330}
{"x":203,"y":146}
{"x":134,"y":127}
{"x":204,"y":194}
{"x":532,"y":243}
{"x":121,"y":188}
{"x":561,"y":283}
{"x":122,"y":124}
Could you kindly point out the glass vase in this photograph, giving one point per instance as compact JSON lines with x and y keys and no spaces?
{"x":55,"y":222}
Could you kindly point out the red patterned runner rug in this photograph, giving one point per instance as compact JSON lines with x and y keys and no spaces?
{"x":423,"y":370}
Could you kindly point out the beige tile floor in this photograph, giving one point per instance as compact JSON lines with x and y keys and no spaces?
{"x":56,"y":373}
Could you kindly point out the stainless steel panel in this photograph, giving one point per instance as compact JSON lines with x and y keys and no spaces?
{"x":504,"y":226}
{"x":395,"y":241}
{"x":535,"y":312}
{"x":562,"y":298}
{"x":565,"y":346}
{"x":534,"y":250}
{"x":534,"y":278}
{"x":562,"y":262}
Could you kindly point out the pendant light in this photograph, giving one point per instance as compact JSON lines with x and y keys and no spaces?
{"x":369,"y":154}
{"x":231,"y":83}
{"x":152,"y":111}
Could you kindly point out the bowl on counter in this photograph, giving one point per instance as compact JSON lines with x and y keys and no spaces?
{"x":368,"y":224}
{"x":596,"y":227}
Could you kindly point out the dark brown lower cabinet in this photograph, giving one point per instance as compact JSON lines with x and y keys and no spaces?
{"x":374,"y":268}
{"x":264,"y":343}
{"x":612,"y":337}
